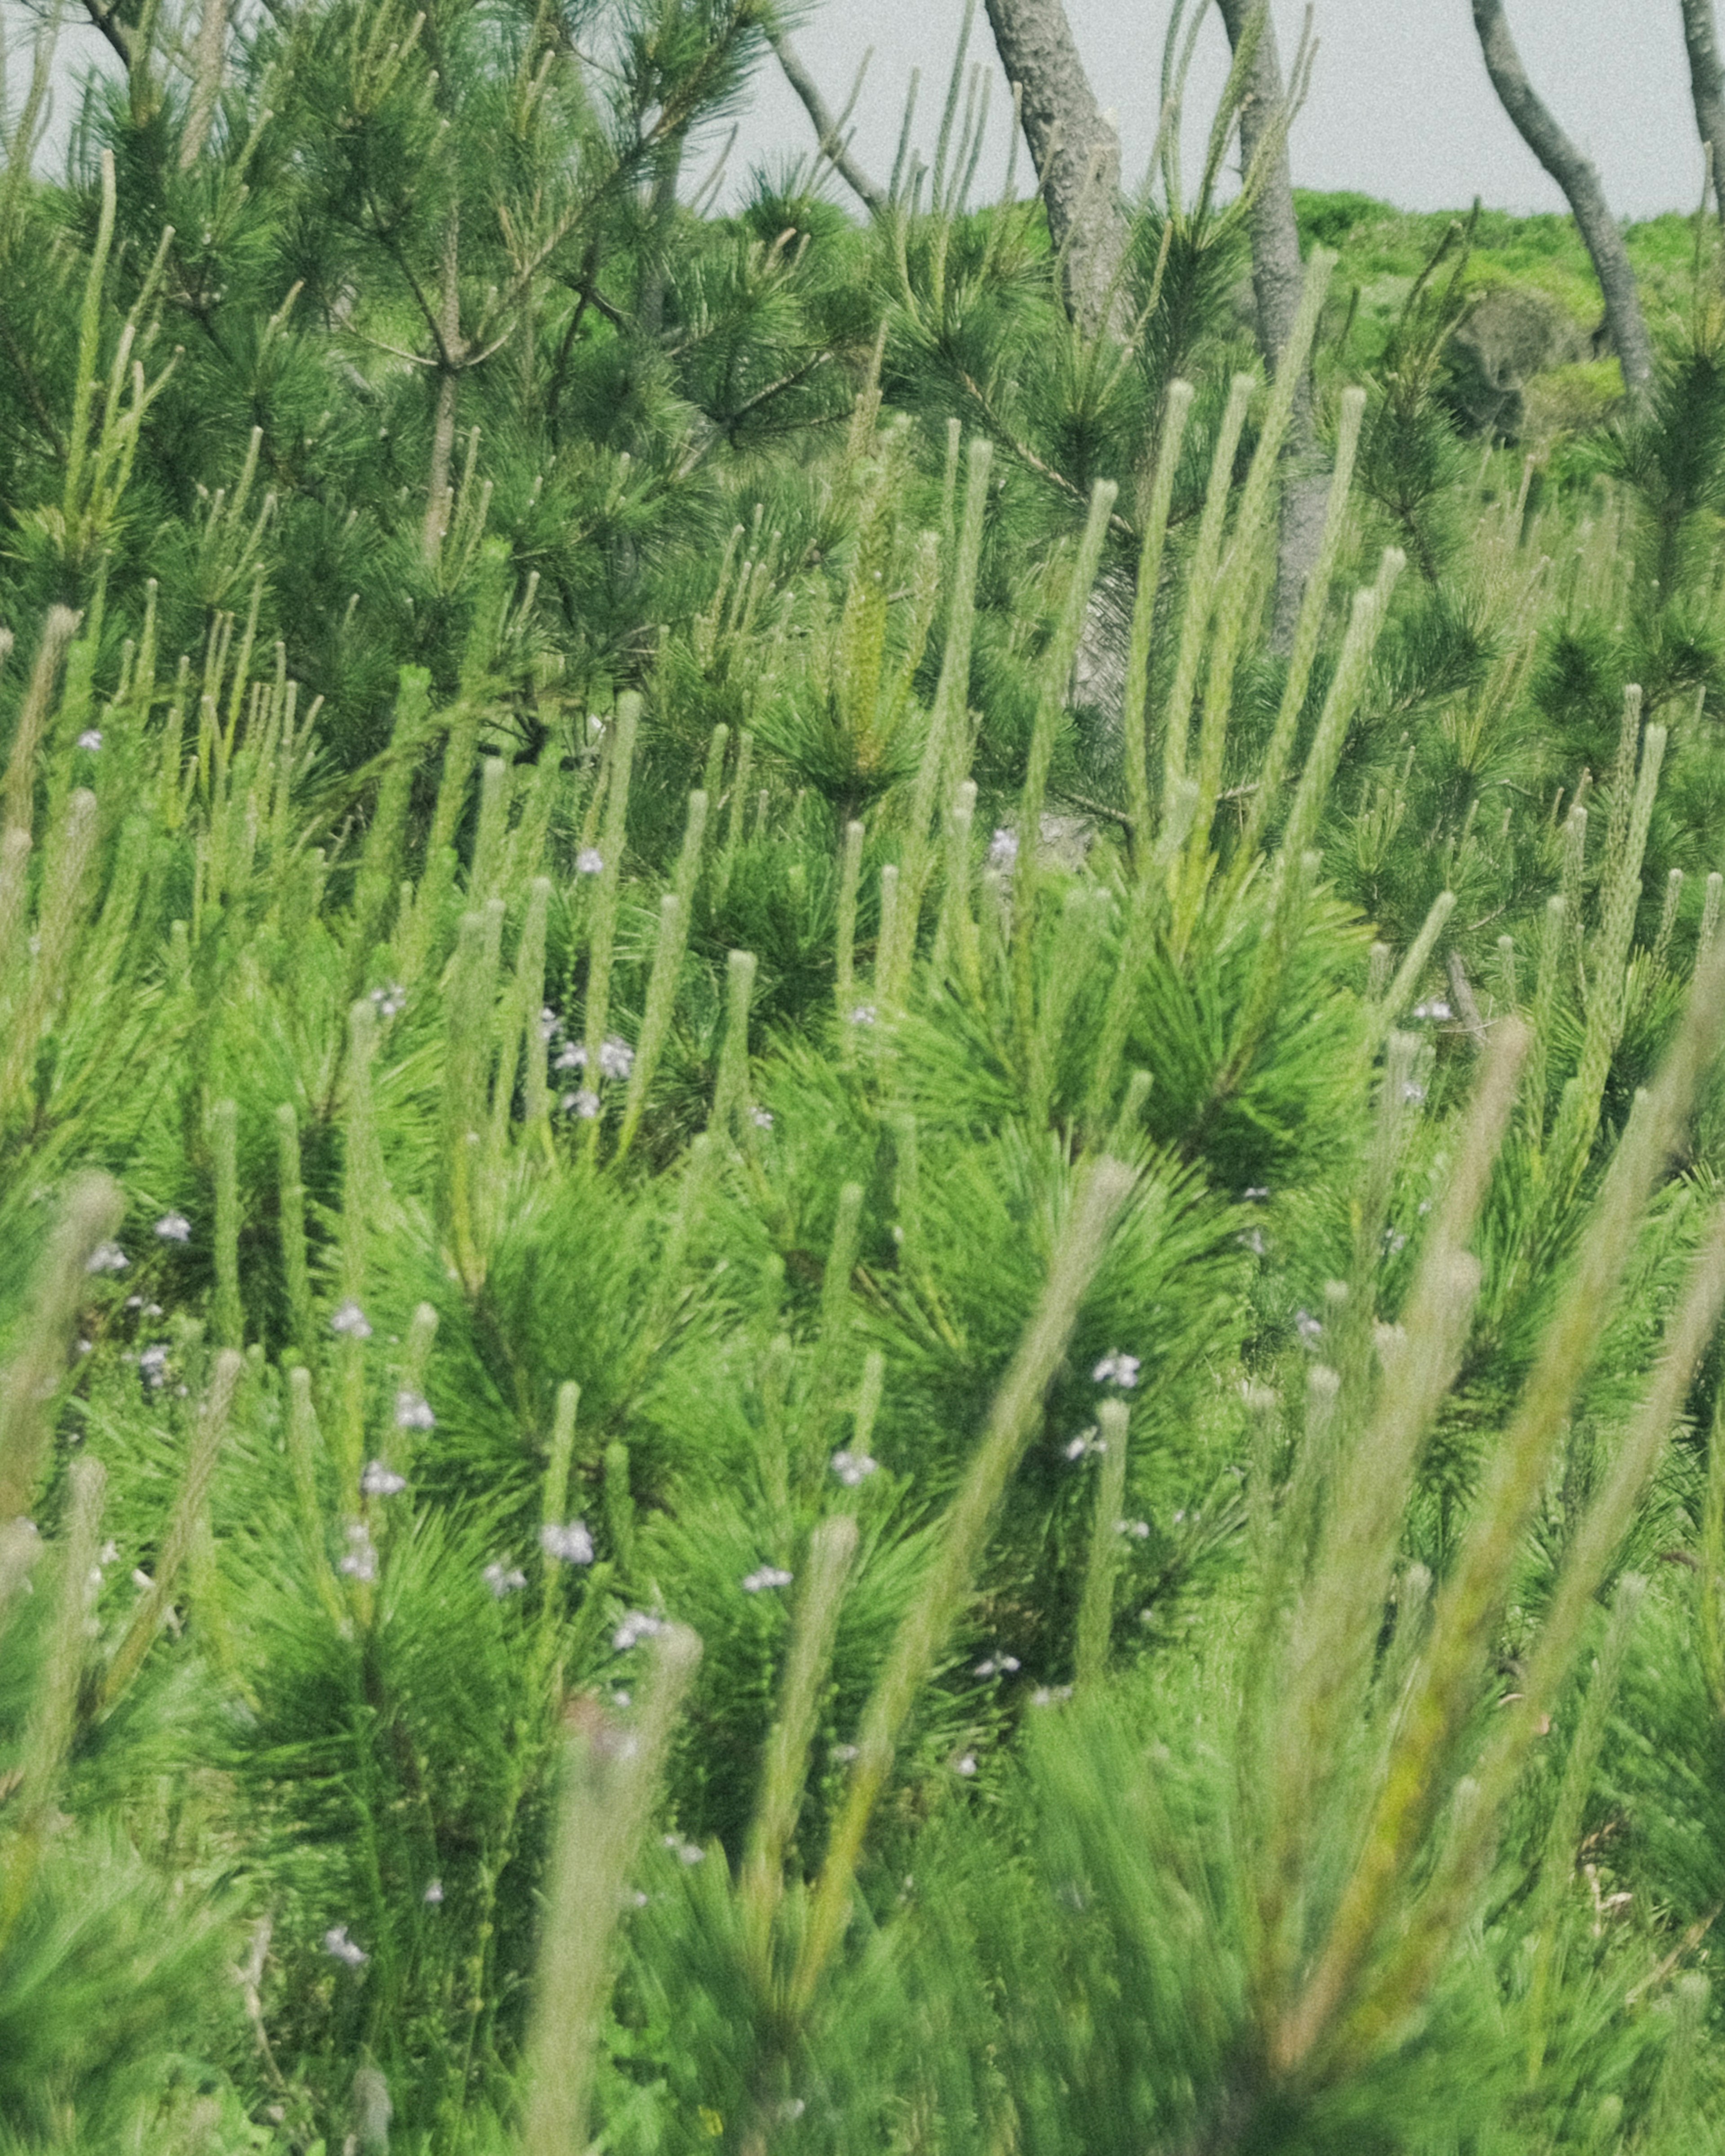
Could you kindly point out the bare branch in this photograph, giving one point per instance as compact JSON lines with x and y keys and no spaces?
{"x":833,"y":144}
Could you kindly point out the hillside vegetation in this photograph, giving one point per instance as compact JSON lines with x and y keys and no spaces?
{"x":818,"y":1330}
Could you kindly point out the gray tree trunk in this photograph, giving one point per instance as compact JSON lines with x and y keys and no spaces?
{"x":1278,"y":278}
{"x":1575,"y":175}
{"x":1706,"y":82}
{"x":1076,"y":154}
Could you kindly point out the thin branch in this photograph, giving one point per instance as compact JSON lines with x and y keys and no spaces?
{"x":833,"y":145}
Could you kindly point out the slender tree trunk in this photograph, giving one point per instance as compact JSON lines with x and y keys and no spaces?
{"x":1575,"y":175}
{"x":829,"y":128}
{"x":661,"y":208}
{"x":1076,"y":154}
{"x":1706,"y":82}
{"x":450,"y":354}
{"x":1278,"y":279}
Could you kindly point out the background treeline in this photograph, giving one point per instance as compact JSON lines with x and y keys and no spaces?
{"x":859,"y":1256}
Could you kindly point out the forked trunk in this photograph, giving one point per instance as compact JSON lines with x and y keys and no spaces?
{"x":1580,"y":183}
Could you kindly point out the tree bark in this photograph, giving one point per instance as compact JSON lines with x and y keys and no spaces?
{"x":1076,"y":154}
{"x":1706,"y":84}
{"x":1278,"y":279}
{"x":1580,"y":183}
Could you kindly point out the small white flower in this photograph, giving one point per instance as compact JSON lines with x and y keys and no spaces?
{"x":966,"y":1765}
{"x":762,"y":1118}
{"x":616,"y":1059}
{"x":412,"y":1411}
{"x":767,"y":1575}
{"x":589,"y":861}
{"x":636,"y":1626}
{"x":359,"y":1561}
{"x":1437,"y":1009}
{"x":1118,"y":1369}
{"x":1307,"y":1326}
{"x":433,"y":1894}
{"x":844,"y":1753}
{"x":106,"y":1258}
{"x":90,"y":738}
{"x":572,"y":1057}
{"x":389,"y":1000}
{"x":336,"y":1942}
{"x":380,"y":1481}
{"x":1138,"y":1528}
{"x":1047,"y":1695}
{"x":1395,"y":1241}
{"x":1003,"y":849}
{"x":550,"y":1024}
{"x":1255,"y":1190}
{"x":1253,"y":1240}
{"x":351,"y":1320}
{"x":503,"y":1579}
{"x":996,"y":1665}
{"x":1085,"y":1442}
{"x":152,"y":1366}
{"x":174,"y":1228}
{"x":584,"y":1104}
{"x":570,"y":1544}
{"x":687,"y":1852}
{"x":853,"y":1467}
{"x":1411,"y":1091}
{"x":863,"y":1015}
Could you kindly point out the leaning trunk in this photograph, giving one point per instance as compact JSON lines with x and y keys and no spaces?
{"x":1580,"y":183}
{"x":1076,"y":154}
{"x":1278,"y":279}
{"x":1706,"y":84}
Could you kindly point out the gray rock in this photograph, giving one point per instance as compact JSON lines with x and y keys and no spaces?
{"x":1505,"y":338}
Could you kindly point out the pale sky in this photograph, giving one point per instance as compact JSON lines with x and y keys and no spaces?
{"x":1401,"y":107}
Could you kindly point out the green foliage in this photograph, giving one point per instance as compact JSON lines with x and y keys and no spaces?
{"x":782,"y":1363}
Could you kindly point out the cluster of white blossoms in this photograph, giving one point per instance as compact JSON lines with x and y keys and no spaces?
{"x":351,"y":1321}
{"x":360,"y":1559}
{"x":504,"y":1580}
{"x":996,"y":1665}
{"x":1118,"y":1369}
{"x":569,"y":1544}
{"x":336,"y":1943}
{"x":853,"y":1467}
{"x":765,"y":1576}
{"x":589,"y":861}
{"x":638,"y":1625}
{"x":412,"y":1411}
{"x":173,"y":1228}
{"x":389,"y":1001}
{"x":379,"y":1480}
{"x":106,"y":1258}
{"x":686,"y":1852}
{"x":1003,"y":849}
{"x":1437,"y":1010}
